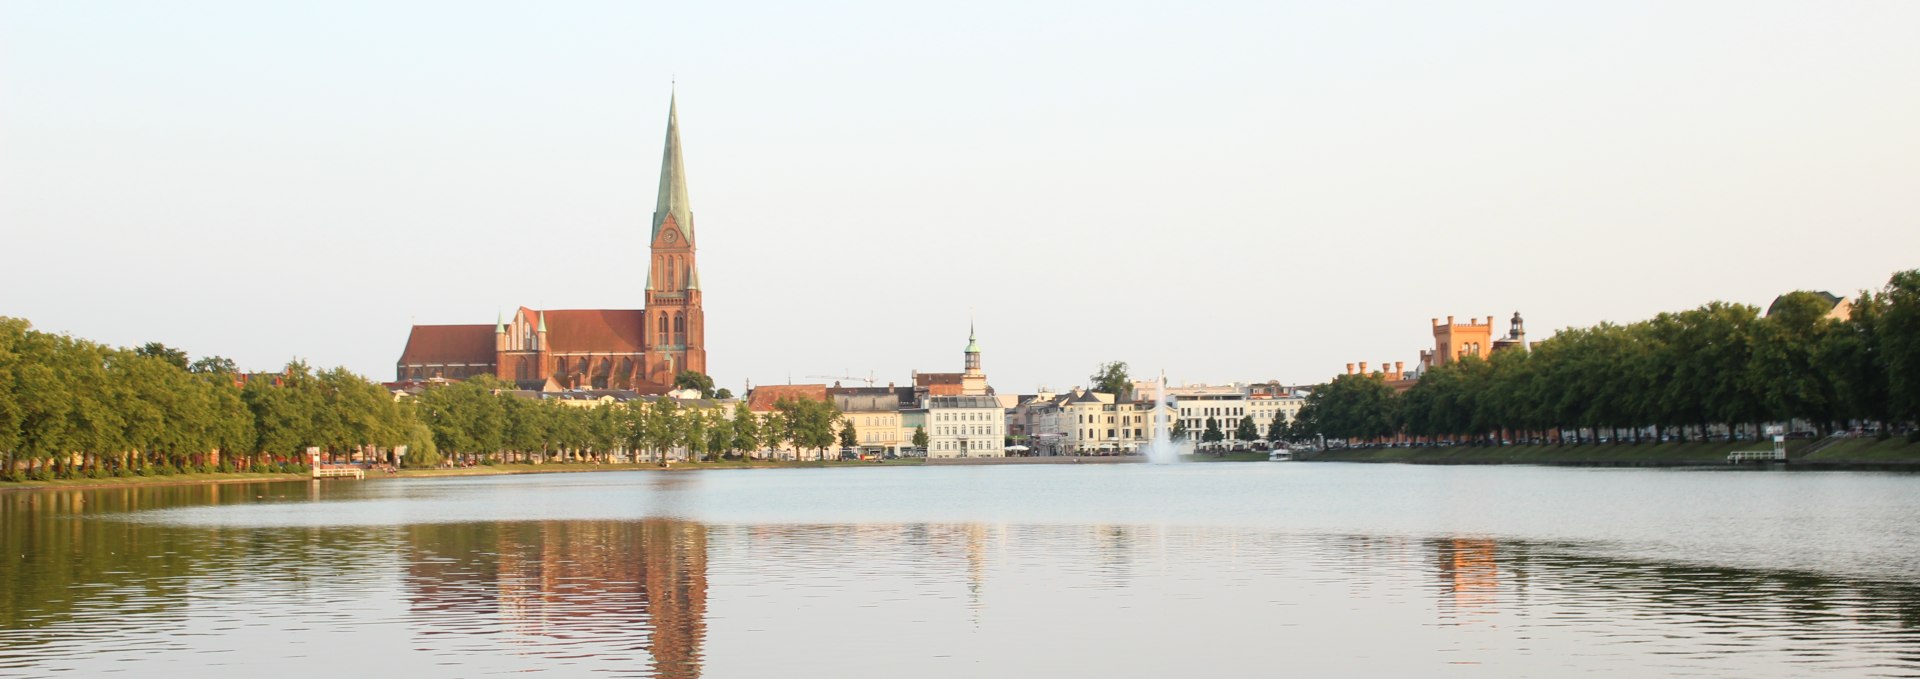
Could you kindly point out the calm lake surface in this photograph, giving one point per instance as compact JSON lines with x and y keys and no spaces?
{"x":1223,"y":569}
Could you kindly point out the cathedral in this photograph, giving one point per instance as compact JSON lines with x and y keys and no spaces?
{"x":639,"y":349}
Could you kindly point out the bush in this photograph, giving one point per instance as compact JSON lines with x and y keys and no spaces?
{"x":1883,"y":435}
{"x":1913,"y":436}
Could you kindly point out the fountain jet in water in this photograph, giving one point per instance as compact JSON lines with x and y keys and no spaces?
{"x":1163,"y":449}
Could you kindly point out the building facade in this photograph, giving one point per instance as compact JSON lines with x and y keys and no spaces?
{"x":965,"y":426}
{"x":636,"y":349}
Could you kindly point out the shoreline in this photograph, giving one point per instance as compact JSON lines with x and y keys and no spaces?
{"x":1842,"y":455}
{"x":424,"y":473}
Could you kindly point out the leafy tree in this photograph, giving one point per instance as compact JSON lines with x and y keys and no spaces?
{"x":1212,"y":433}
{"x":175,"y":357}
{"x":213,"y":365}
{"x":848,"y":438}
{"x":1898,"y":335}
{"x":746,"y":430}
{"x":720,"y":434}
{"x":1179,"y":432}
{"x":723,"y":394}
{"x":663,"y":427}
{"x":1246,"y":431}
{"x":1111,"y":377}
{"x":688,"y":379}
{"x":421,"y":451}
{"x":1277,"y":429}
{"x":920,"y":438}
{"x":809,"y":422}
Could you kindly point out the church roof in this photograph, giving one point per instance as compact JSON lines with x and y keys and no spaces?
{"x":592,"y":330}
{"x":763,"y":397}
{"x":449,"y":344}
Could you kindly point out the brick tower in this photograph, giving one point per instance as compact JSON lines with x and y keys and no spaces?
{"x":676,"y":335}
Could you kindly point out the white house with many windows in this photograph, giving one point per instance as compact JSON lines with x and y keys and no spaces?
{"x":965,"y":426}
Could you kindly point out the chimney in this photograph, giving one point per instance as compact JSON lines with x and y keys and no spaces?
{"x":1349,"y":368}
{"x":1399,"y":367}
{"x":1363,"y":367}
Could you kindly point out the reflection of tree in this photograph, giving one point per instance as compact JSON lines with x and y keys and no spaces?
{"x":1483,"y":574}
{"x":65,"y":561}
{"x":566,"y":587}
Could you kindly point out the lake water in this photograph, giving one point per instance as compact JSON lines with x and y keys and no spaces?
{"x":1222,"y":569}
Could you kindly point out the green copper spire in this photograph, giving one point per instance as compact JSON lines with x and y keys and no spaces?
{"x":499,"y":323}
{"x":973,"y":345}
{"x":543,"y":322}
{"x":673,"y":179}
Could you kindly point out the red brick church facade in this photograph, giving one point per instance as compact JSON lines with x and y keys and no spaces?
{"x":640,"y":349}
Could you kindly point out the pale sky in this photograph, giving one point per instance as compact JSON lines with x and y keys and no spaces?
{"x":1226,"y":191}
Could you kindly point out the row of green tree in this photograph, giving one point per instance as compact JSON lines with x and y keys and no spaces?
{"x":480,"y":421}
{"x":71,"y":407}
{"x":1678,"y":375}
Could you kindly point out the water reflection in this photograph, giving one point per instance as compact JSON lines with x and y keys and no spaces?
{"x":86,"y":592}
{"x":613,"y":592}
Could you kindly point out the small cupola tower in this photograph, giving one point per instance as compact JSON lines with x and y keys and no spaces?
{"x":973,"y":382}
{"x":1518,"y":329}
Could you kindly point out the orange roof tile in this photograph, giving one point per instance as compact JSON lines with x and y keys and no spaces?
{"x":762,"y":398}
{"x":594,"y":330}
{"x":449,"y":344}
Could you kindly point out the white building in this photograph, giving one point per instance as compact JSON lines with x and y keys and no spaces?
{"x":965,"y":426}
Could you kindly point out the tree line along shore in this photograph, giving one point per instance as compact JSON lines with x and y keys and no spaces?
{"x":71,"y":408}
{"x":1717,"y":373}
{"x":75,"y":409}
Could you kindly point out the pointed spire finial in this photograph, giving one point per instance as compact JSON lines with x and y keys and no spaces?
{"x":499,"y":323}
{"x":543,"y":321}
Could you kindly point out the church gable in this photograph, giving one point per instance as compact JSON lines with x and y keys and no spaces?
{"x":669,"y":236}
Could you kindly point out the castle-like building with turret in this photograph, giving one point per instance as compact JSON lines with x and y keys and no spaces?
{"x":638,"y":349}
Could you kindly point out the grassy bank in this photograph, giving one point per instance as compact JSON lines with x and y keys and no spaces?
{"x":1851,"y":452}
{"x":485,"y":470}
{"x":1241,"y":456}
{"x":1649,"y":454}
{"x":560,"y":468}
{"x":1868,"y":451}
{"x":168,"y":480}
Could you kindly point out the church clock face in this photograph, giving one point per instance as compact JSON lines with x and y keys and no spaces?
{"x":672,"y":236}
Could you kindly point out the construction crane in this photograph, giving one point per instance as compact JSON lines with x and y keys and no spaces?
{"x":845,"y":379}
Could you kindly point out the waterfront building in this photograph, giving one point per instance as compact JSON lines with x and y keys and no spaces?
{"x":1262,"y":406}
{"x":635,"y":349}
{"x":875,"y":413}
{"x":1226,"y":404}
{"x":1083,"y":422}
{"x":965,"y":426}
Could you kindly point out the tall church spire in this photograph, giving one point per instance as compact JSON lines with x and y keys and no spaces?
{"x":673,"y":179}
